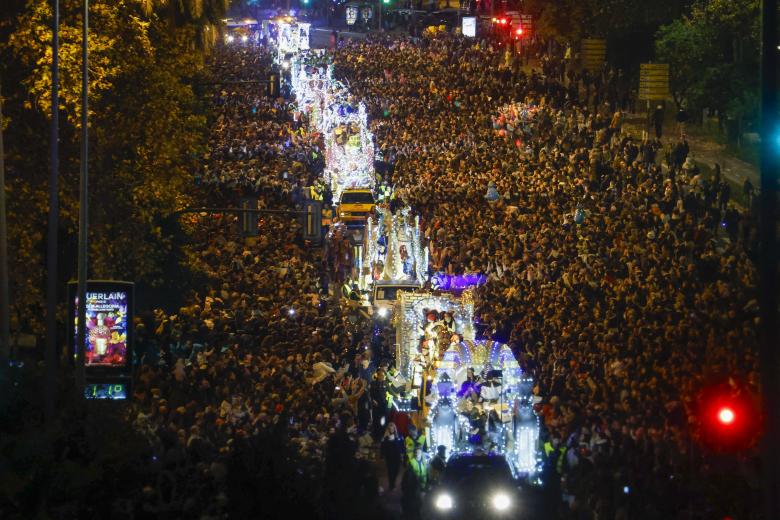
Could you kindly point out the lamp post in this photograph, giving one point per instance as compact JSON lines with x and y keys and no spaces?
{"x":50,"y":354}
{"x":5,"y":336}
{"x":81,"y":336}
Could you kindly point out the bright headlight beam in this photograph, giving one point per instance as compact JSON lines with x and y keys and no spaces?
{"x":444,"y":502}
{"x":382,"y":312}
{"x":501,"y":501}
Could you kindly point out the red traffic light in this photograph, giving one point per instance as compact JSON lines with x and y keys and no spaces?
{"x":503,"y":21}
{"x":726,"y":416}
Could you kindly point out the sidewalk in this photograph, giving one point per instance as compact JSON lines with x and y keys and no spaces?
{"x":703,"y":151}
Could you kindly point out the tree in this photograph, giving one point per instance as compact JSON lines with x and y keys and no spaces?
{"x":683,"y":45}
{"x":713,"y":57}
{"x":147,"y":130}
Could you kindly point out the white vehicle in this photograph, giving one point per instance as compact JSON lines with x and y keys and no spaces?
{"x":384,"y":294}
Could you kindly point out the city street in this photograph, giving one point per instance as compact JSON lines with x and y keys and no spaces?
{"x":437,"y":270}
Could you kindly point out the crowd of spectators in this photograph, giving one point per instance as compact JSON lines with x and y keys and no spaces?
{"x":258,"y":144}
{"x":622,"y":283}
{"x":240,"y":390}
{"x":621,"y":278}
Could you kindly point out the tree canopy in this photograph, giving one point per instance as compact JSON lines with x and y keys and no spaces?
{"x":147,"y":130}
{"x":713,"y":54}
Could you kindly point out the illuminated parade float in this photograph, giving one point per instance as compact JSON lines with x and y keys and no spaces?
{"x":467,"y":394}
{"x":394,"y":250}
{"x":349,"y":145}
{"x":289,"y":35}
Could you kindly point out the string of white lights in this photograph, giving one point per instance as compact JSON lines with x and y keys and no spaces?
{"x":349,"y":157}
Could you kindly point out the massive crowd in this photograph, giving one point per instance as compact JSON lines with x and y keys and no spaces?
{"x":622,"y":279}
{"x":240,"y":391}
{"x":620,"y":283}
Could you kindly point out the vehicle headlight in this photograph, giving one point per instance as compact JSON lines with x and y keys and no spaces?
{"x":501,"y":501}
{"x":382,"y":312}
{"x":444,"y":502}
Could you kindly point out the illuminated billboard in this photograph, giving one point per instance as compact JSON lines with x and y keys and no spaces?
{"x":109,"y":318}
{"x":469,"y":26}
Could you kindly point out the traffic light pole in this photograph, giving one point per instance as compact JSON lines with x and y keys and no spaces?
{"x":770,"y":160}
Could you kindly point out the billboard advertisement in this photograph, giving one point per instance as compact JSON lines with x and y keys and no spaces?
{"x":469,"y":26}
{"x":109,"y":319}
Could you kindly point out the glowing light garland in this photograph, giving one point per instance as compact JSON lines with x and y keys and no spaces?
{"x":349,"y":163}
{"x":292,"y":38}
{"x":349,"y":145}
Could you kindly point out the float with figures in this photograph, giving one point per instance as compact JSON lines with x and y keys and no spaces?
{"x":470,"y":394}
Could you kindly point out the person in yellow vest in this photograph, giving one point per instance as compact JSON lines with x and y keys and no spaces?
{"x":419,"y":467}
{"x":413,"y":442}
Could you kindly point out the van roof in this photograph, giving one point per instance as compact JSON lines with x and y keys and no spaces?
{"x":399,"y":283}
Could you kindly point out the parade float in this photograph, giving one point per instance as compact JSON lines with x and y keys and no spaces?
{"x":436,"y":350}
{"x":343,"y":122}
{"x":492,"y":412}
{"x":394,"y":248}
{"x":290,"y":36}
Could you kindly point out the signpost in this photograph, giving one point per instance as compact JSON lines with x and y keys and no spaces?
{"x":311,"y":221}
{"x":249,"y":218}
{"x":653,"y":81}
{"x":594,"y":52}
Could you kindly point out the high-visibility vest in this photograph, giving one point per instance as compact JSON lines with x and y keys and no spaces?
{"x":413,"y":444}
{"x":548,"y":448}
{"x":420,"y":468}
{"x":561,"y":459}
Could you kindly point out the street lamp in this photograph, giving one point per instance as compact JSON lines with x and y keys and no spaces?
{"x":81,"y":335}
